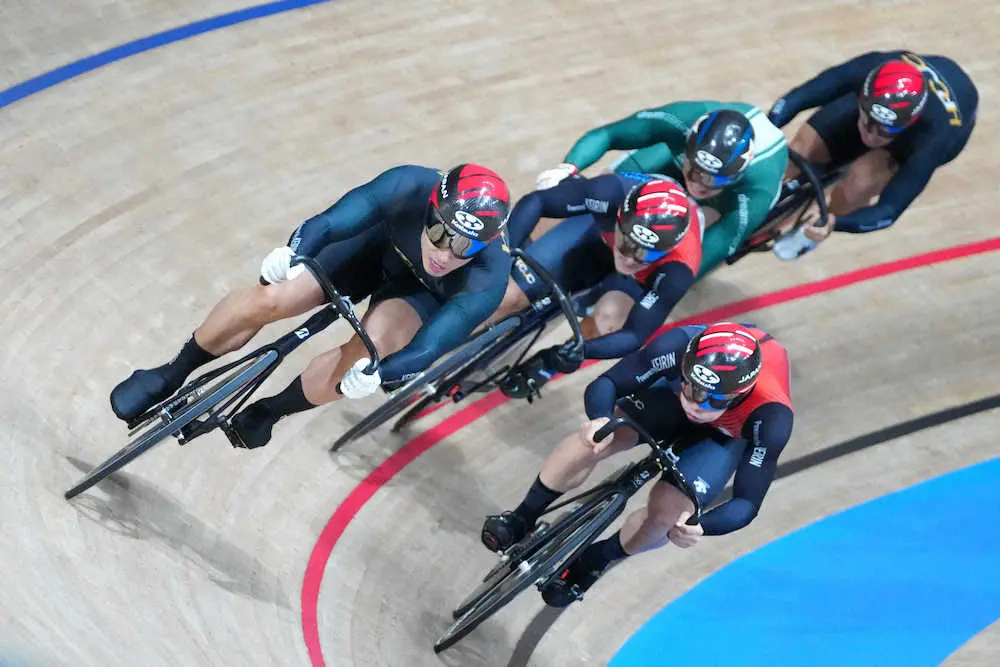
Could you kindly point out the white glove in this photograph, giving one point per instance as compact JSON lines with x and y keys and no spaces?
{"x":357,"y":384}
{"x":276,"y":267}
{"x":552,"y":177}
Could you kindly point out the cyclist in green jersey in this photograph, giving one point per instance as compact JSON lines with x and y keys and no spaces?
{"x":729,"y":156}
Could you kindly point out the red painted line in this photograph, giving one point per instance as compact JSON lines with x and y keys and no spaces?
{"x":361,"y":494}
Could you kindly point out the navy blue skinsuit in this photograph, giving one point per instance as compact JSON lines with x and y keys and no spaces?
{"x":936,"y":138}
{"x":369,"y":244}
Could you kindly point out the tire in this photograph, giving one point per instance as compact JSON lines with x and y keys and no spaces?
{"x":159,"y":430}
{"x":566,"y":540}
{"x":424,"y":385}
{"x":412,"y":413}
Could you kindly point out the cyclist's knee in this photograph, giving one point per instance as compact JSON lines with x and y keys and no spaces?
{"x":611,"y":311}
{"x":514,"y":299}
{"x":810,"y":146}
{"x":666,"y":504}
{"x":391,"y":325}
{"x":867,"y":175}
{"x":275,"y":302}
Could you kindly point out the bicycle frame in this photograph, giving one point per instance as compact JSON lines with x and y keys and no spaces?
{"x":179,"y":415}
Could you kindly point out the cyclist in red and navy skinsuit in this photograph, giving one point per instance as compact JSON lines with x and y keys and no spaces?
{"x":720,"y":394}
{"x":635,"y":287}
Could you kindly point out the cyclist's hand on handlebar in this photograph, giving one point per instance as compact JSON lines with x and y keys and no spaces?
{"x":811,"y":218}
{"x":589,"y":429}
{"x":553,"y":177}
{"x":277,"y":266}
{"x":683,"y":535}
{"x":357,"y":383}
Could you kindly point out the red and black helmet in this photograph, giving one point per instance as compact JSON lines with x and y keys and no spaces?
{"x":894,"y":94}
{"x":472,"y":202}
{"x":654,"y":218}
{"x":723,"y":360}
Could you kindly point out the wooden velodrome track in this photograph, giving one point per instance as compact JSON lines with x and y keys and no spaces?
{"x":134,"y":196}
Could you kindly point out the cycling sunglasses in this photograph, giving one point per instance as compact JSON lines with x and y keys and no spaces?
{"x":706,"y":400}
{"x":872,"y":125}
{"x":630,"y":248}
{"x":443,"y":237}
{"x":705,"y":179}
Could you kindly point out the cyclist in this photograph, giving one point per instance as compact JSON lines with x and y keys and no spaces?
{"x":729,"y":157}
{"x":720,"y":394}
{"x":894,"y":117}
{"x":638,"y":246}
{"x":422,"y":243}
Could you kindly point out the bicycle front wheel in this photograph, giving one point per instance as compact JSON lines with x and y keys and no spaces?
{"x":424,"y":385}
{"x":199,"y":401}
{"x":503,"y":584}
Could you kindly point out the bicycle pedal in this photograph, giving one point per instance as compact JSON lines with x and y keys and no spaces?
{"x":192,"y":430}
{"x":231,"y":434}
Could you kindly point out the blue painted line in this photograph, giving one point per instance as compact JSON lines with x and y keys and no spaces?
{"x":904,"y":580}
{"x":90,"y":63}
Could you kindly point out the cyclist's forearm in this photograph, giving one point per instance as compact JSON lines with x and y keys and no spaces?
{"x":729,"y":516}
{"x":589,"y":148}
{"x":523,"y":219}
{"x":895,"y":198}
{"x":868,"y":219}
{"x":632,"y":372}
{"x":613,"y":345}
{"x":449,"y":327}
{"x":632,"y":132}
{"x":827,"y":86}
{"x":766,"y":431}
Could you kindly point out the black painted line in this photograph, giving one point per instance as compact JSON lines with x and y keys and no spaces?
{"x":543,"y":620}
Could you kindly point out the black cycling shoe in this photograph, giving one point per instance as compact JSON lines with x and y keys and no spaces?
{"x":527,"y":380}
{"x":141,"y":391}
{"x":569,"y":586}
{"x":251,"y":428}
{"x":502,"y":531}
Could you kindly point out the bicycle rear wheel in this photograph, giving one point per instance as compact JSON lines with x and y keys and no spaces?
{"x":424,"y":385}
{"x":488,"y":360}
{"x":200,"y":400}
{"x":503,"y":584}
